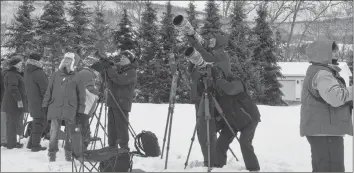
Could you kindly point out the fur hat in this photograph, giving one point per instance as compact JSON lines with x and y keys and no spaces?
{"x":35,"y":56}
{"x":72,"y":56}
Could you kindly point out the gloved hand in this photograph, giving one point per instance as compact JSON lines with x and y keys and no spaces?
{"x":191,"y":40}
{"x":80,"y":117}
{"x":216,"y":73}
{"x":101,"y":97}
{"x":106,"y":63}
{"x":45,"y":110}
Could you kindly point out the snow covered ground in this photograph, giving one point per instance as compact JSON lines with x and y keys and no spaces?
{"x":277,"y":144}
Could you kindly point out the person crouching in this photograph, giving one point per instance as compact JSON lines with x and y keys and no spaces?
{"x":63,"y":101}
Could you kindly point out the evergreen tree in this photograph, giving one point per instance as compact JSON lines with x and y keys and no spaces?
{"x":80,"y":33}
{"x":51,"y":29}
{"x":192,"y":15}
{"x":21,"y":33}
{"x":264,"y":54}
{"x":212,"y":23}
{"x":149,"y":43}
{"x":125,"y":37}
{"x":100,"y":28}
{"x":240,"y":53}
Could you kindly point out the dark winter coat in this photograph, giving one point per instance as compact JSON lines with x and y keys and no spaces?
{"x":237,"y":105}
{"x":14,"y":91}
{"x":65,"y":96}
{"x":2,"y":88}
{"x":122,"y":84}
{"x":218,"y":56}
{"x":36,"y":82}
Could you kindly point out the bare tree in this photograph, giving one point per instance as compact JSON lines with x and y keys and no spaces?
{"x":134,"y":8}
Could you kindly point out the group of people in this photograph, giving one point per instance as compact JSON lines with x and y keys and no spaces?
{"x":326,"y":106}
{"x":326,"y":110}
{"x":69,"y":97}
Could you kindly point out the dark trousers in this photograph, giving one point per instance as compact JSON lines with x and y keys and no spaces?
{"x":118,"y":132}
{"x":327,"y":153}
{"x":12,"y":129}
{"x":202,"y":132}
{"x":83,"y":122}
{"x":38,"y":126}
{"x":225,"y":139}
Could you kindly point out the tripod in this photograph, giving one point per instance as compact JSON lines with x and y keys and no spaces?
{"x":168,"y":126}
{"x":207,"y":81}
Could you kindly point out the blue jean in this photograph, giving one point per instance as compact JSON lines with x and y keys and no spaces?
{"x":54,"y":136}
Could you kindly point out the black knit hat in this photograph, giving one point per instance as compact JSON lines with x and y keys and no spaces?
{"x":15,"y":60}
{"x":35,"y":56}
{"x":128,"y":54}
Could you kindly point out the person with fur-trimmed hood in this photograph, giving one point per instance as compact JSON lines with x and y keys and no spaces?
{"x":14,"y":103}
{"x":121,"y":81}
{"x":64,"y":100}
{"x":326,"y":107}
{"x":36,"y":84}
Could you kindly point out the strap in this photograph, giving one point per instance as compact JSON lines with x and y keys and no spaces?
{"x":137,"y":144}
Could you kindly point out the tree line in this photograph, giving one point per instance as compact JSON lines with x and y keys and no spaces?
{"x":253,"y":54}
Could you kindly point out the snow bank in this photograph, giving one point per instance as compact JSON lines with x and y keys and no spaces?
{"x":277,"y":144}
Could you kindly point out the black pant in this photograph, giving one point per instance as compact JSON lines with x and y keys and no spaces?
{"x":246,"y":137}
{"x":327,"y":153}
{"x":202,"y":132}
{"x":83,"y":122}
{"x":118,"y":132}
{"x":12,"y":129}
{"x":38,"y":126}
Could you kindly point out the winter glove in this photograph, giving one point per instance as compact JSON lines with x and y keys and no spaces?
{"x":20,"y":104}
{"x":191,"y":40}
{"x":101,"y":97}
{"x":80,"y":117}
{"x":106,"y":63}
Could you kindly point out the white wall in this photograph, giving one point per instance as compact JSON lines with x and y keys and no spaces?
{"x":292,"y":86}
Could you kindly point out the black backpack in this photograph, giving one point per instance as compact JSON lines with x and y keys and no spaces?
{"x":147,"y":142}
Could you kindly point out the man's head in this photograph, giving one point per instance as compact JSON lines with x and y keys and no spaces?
{"x":126,"y":57}
{"x":69,"y":62}
{"x":17,"y":62}
{"x":215,"y":41}
{"x":323,"y":52}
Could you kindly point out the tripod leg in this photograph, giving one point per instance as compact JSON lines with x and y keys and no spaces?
{"x":207,"y":119}
{"x":164,"y":137}
{"x":217,"y":106}
{"x":190,"y":147}
{"x":169,"y":138}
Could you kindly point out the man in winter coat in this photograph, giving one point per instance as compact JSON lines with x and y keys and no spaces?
{"x":14,"y":102}
{"x":241,"y":113}
{"x":121,"y":82}
{"x":87,"y":77}
{"x":63,"y":101}
{"x":326,"y":108}
{"x":213,"y":52}
{"x":36,"y":82}
{"x":3,"y":114}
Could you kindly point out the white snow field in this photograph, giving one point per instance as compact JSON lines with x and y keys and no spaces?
{"x":277,"y":144}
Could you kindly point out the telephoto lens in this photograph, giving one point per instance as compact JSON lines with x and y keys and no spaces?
{"x":194,"y":57}
{"x":183,"y":25}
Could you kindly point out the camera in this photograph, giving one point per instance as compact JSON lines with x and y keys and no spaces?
{"x":183,"y":25}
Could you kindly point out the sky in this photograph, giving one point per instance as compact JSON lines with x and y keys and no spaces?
{"x":200,"y":5}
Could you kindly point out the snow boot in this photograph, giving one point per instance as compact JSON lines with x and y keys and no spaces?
{"x":52,"y":156}
{"x":68,"y":156}
{"x":4,"y":144}
{"x":17,"y":145}
{"x":38,"y":148}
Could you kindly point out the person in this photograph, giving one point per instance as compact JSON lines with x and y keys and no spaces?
{"x":241,"y":113}
{"x":213,"y":51}
{"x":88,"y":77}
{"x":14,"y":102}
{"x":36,"y":82}
{"x":3,"y":114}
{"x":326,"y":107}
{"x":64,"y":100}
{"x":121,"y":81}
